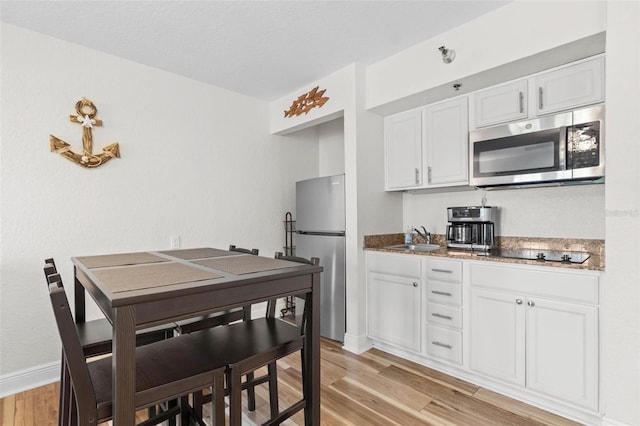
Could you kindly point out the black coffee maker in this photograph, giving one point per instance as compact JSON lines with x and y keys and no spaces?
{"x":471,"y":228}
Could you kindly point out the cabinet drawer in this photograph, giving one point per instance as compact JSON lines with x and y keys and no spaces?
{"x":565,"y":285}
{"x":445,"y":344}
{"x":444,"y":270}
{"x":393,"y":264}
{"x":449,"y":294}
{"x":449,"y":316}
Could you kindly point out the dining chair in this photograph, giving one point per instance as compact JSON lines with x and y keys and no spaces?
{"x":256,"y":343}
{"x":258,"y":352}
{"x":95,"y":335}
{"x":216,"y":319}
{"x":165,"y":370}
{"x":95,"y":339}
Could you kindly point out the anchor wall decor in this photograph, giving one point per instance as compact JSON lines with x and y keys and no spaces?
{"x":86,"y":111}
{"x":308,"y":101}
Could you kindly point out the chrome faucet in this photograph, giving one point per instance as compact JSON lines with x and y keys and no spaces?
{"x":426,"y":236}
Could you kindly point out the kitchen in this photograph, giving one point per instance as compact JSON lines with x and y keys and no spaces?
{"x":111,"y":199}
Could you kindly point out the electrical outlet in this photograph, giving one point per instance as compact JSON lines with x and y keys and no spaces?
{"x":174,"y":241}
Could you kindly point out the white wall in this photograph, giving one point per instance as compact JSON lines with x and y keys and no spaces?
{"x":557,"y":212}
{"x":197,"y":161}
{"x":331,"y":147}
{"x":621,"y":331}
{"x":518,"y":30}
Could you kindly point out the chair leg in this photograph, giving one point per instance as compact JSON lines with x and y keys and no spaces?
{"x":197,"y":403}
{"x":217,"y":398}
{"x":235,"y":398}
{"x":65,"y":394}
{"x":251,"y":392}
{"x":73,"y":409}
{"x":185,"y":411}
{"x":171,"y":404}
{"x":272,"y":369}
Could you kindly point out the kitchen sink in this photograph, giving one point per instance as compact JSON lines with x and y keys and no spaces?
{"x":415,"y":247}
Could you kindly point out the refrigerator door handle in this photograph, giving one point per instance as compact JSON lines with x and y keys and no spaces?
{"x":331,"y":234}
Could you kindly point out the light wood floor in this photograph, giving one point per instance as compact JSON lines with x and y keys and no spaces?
{"x":374,"y":388}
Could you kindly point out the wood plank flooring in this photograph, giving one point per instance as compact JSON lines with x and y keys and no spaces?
{"x":374,"y":388}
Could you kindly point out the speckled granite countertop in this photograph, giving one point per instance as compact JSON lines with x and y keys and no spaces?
{"x":595,"y":248}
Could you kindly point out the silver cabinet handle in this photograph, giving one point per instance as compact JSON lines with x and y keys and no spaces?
{"x":531,"y":303}
{"x":518,"y":301}
{"x":443,"y":345}
{"x":540,"y":97}
{"x":429,"y":174}
{"x":447,"y":317}
{"x":445,"y":271}
{"x":415,"y":284}
{"x":521,"y":102}
{"x":417,"y":176}
{"x":442,"y":293}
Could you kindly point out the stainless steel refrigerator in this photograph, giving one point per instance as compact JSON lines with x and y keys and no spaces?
{"x":320,"y":232}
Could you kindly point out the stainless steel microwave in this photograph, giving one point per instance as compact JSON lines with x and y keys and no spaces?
{"x":554,"y":149}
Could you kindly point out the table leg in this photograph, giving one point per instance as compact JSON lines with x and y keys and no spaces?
{"x":124,"y":366}
{"x":312,"y":354}
{"x":78,"y":298}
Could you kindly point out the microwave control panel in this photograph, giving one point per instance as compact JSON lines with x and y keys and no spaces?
{"x":583,"y":145}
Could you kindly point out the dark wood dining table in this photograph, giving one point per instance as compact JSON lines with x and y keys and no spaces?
{"x":145,"y":289}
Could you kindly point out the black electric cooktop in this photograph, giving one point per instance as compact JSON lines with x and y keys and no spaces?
{"x":542,"y":255}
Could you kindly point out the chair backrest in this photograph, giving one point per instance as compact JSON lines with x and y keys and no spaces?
{"x":271,"y":306}
{"x":243,"y":250}
{"x":49,"y":268}
{"x":313,"y":261}
{"x":72,"y":348}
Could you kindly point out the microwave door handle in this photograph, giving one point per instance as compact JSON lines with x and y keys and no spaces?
{"x":564,"y":149}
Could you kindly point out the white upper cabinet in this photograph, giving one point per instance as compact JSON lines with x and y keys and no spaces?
{"x":569,"y":87}
{"x":562,"y":89}
{"x":446,"y":143}
{"x":499,"y":104}
{"x":427,"y":147}
{"x":403,"y":150}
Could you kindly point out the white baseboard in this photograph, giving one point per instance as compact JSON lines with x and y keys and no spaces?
{"x":23,"y":380}
{"x":356,"y":344}
{"x":607,"y":421}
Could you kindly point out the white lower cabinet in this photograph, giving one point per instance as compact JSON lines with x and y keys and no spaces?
{"x":528,"y":330}
{"x":443,"y":310}
{"x":497,"y":335}
{"x":542,"y":342}
{"x":562,"y":350}
{"x":393,"y":300}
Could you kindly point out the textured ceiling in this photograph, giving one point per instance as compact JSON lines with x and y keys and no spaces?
{"x":264,"y":49}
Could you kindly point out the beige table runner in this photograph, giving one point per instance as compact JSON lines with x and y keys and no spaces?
{"x":198,"y":253}
{"x":150,"y":276}
{"x":121,"y":259}
{"x":239,"y":265}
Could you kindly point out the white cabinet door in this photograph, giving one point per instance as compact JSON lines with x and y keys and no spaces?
{"x":498,"y":335}
{"x":570,"y":87}
{"x":446,"y":138}
{"x":393,"y":310}
{"x":499,"y":104}
{"x":562,"y":350}
{"x":403,"y":150}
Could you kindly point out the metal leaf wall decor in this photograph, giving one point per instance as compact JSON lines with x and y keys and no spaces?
{"x":306,"y":102}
